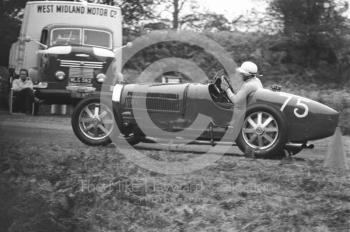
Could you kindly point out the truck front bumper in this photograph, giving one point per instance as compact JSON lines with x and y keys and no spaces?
{"x":63,"y":96}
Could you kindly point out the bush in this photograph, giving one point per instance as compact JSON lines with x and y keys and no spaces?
{"x":276,"y":59}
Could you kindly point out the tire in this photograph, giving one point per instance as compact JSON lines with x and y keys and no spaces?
{"x":93,"y":121}
{"x":266,"y":138}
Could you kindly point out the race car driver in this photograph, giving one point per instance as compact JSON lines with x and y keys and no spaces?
{"x":251,"y":83}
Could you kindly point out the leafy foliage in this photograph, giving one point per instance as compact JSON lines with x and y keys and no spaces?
{"x":9,"y":30}
{"x":175,"y":9}
{"x":174,"y":49}
{"x":135,"y":11}
{"x":11,"y":7}
{"x":9,"y":26}
{"x":313,"y":28}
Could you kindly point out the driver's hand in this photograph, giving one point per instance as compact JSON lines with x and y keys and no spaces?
{"x":224,"y":85}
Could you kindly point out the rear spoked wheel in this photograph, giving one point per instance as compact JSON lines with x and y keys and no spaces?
{"x":260,"y":130}
{"x":263,"y":131}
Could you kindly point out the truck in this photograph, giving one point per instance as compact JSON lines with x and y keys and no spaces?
{"x":68,"y":48}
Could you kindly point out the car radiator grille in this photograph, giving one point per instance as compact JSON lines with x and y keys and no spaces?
{"x":156,"y":102}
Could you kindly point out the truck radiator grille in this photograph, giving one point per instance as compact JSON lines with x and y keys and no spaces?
{"x":81,"y":72}
{"x":155,"y":102}
{"x":81,"y":69}
{"x":81,"y":64}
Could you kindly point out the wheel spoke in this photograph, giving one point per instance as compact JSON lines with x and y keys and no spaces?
{"x":103,"y":114}
{"x":95,"y":131}
{"x":268,"y":137}
{"x":88,"y":111}
{"x":107,"y":121}
{"x":249,"y":130}
{"x":253,"y":138}
{"x":259,"y":118}
{"x":267,"y":121}
{"x":252,"y":123}
{"x":271,"y":129}
{"x":103,"y":129}
{"x":89,"y":127}
{"x":96,"y":111}
{"x":87,"y":120}
{"x":260,"y":141}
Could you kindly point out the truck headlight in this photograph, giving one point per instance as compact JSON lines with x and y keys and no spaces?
{"x":100,"y":77}
{"x":60,"y":75}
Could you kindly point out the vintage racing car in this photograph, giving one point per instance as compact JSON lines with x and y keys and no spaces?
{"x":274,"y":121}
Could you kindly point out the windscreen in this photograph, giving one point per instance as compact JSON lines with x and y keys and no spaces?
{"x":97,"y":38}
{"x":65,"y":36}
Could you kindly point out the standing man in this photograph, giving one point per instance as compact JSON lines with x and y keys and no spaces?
{"x":23,"y":90}
{"x":251,"y":83}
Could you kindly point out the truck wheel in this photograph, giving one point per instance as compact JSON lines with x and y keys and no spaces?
{"x":93,"y":122}
{"x":264,"y":131}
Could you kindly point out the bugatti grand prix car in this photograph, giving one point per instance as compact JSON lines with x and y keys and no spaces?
{"x":274,"y":120}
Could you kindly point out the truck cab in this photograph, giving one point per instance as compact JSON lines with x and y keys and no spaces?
{"x":75,"y":61}
{"x":69,"y":48}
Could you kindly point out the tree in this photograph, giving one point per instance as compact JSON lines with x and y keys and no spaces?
{"x":176,"y":9}
{"x":208,"y":21}
{"x":313,"y":26}
{"x":135,"y":11}
{"x":218,"y":22}
{"x":309,"y":16}
{"x":9,"y":26}
{"x":185,"y":14}
{"x":11,"y":7}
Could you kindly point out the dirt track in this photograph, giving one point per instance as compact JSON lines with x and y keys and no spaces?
{"x":46,"y":129}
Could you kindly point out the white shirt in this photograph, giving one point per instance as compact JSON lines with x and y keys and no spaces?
{"x":248,"y":87}
{"x":18,"y":84}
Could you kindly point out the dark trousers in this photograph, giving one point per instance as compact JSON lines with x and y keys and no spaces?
{"x":24,"y":100}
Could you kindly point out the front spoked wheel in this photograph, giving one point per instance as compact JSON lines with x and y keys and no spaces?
{"x":92,"y":122}
{"x":96,"y":121}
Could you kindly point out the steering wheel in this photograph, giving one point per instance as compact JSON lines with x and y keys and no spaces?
{"x":217,"y":87}
{"x":223,"y":77}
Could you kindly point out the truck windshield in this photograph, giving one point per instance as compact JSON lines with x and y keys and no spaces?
{"x":97,"y":38}
{"x":66,"y":36}
{"x":89,"y":37}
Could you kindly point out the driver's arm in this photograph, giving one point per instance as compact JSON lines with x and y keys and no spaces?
{"x":241,"y":95}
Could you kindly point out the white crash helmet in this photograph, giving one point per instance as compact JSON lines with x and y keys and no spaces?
{"x":248,"y":68}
